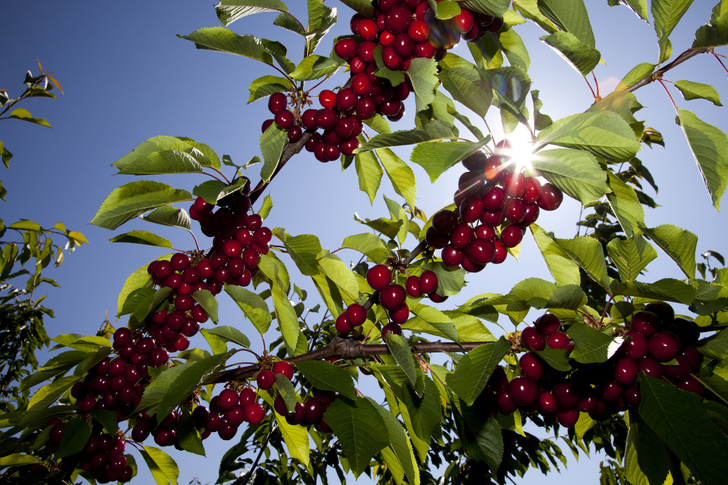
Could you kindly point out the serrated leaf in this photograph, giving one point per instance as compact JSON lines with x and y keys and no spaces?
{"x":666,"y":14}
{"x":467,"y":86}
{"x":369,"y":173}
{"x":142,"y":237}
{"x":222,"y":39}
{"x":449,"y":280}
{"x":400,"y":175}
{"x":630,"y":256}
{"x":591,"y":345}
{"x":267,"y":85}
{"x":328,"y":377}
{"x":175,"y":384}
{"x":164,"y":469}
{"x":434,"y":130}
{"x":575,"y":172}
{"x":368,"y":244}
{"x":134,"y":199}
{"x":272,"y":143}
{"x":626,"y":206}
{"x":48,"y":394}
{"x":164,"y":155}
{"x":436,"y":322}
{"x":399,"y":444}
{"x":169,"y":216}
{"x":635,"y":75}
{"x":228,"y":11}
{"x":402,"y":353}
{"x":680,"y":244}
{"x":666,"y":289}
{"x":647,"y":460}
{"x":587,"y":252}
{"x":582,"y":56}
{"x":338,"y":272}
{"x":563,"y":269}
{"x":315,"y":67}
{"x":422,"y":73}
{"x":692,"y":90}
{"x":304,"y":249}
{"x":680,"y":420}
{"x":570,"y":16}
{"x":715,"y":33}
{"x":24,"y":115}
{"x":481,"y":437}
{"x":357,"y":425}
{"x":496,"y":8}
{"x":708,"y":146}
{"x":76,"y":433}
{"x":18,"y":459}
{"x":436,"y":157}
{"x":208,"y":302}
{"x":474,"y":369}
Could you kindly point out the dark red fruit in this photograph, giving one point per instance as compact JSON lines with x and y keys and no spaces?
{"x":523,"y":391}
{"x":265,"y":379}
{"x":663,"y":346}
{"x":391,"y":327}
{"x":379,"y":276}
{"x":547,"y":324}
{"x":550,"y":197}
{"x":532,"y":339}
{"x":511,"y":235}
{"x":356,"y":314}
{"x":283,"y":367}
{"x":346,"y":48}
{"x":392,"y":297}
{"x":277,"y":102}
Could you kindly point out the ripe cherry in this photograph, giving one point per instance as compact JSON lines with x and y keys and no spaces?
{"x":392,"y":297}
{"x":663,"y":346}
{"x":550,"y":197}
{"x":283,"y":367}
{"x":379,"y":276}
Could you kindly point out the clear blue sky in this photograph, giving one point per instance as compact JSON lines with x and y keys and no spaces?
{"x":127,"y":77}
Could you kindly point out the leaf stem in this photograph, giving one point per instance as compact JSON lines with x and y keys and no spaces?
{"x":684,"y":56}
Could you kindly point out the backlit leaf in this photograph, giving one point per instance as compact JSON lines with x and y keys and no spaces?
{"x":474,"y":369}
{"x":679,"y":244}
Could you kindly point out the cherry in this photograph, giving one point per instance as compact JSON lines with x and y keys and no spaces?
{"x":342,"y":325}
{"x":398,"y":19}
{"x":515,"y":210}
{"x":662,"y":309}
{"x":254,"y":414}
{"x":523,"y":391}
{"x":547,"y":403}
{"x":392,"y":297}
{"x":412,"y":285}
{"x":532,"y":339}
{"x":452,"y":256}
{"x":366,"y":29}
{"x":566,"y":394}
{"x":635,"y":345}
{"x":436,"y":239}
{"x":277,"y":102}
{"x":511,"y":235}
{"x":558,"y":340}
{"x":547,"y":324}
{"x":428,"y":282}
{"x":379,"y":276}
{"x":464,"y":21}
{"x":567,"y":418}
{"x":418,"y":31}
{"x":346,"y":48}
{"x":505,"y":403}
{"x":532,"y":190}
{"x":530,"y":215}
{"x":663,"y":346}
{"x":531,"y":366}
{"x":265,"y":379}
{"x":391,"y":327}
{"x":480,"y":251}
{"x":284,"y":119}
{"x":283,"y":367}
{"x":550,"y":197}
{"x":470,"y":209}
{"x":625,"y":372}
{"x":461,"y":235}
{"x":514,"y":184}
{"x":313,"y":411}
{"x":444,"y":221}
{"x":346,"y":99}
{"x":677,"y":371}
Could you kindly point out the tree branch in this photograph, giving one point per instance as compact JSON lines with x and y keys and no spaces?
{"x":684,"y":56}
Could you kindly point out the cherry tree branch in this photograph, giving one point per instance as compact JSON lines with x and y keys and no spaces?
{"x":684,"y":56}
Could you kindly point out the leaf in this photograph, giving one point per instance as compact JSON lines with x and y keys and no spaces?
{"x":422,"y":73}
{"x":358,"y":426}
{"x":468,"y":86}
{"x":267,"y":85}
{"x":228,"y":11}
{"x":399,"y":444}
{"x":436,"y":157}
{"x":315,"y":67}
{"x":18,"y":459}
{"x":272,"y":143}
{"x":434,"y":130}
{"x":164,"y":155}
{"x":402,"y":353}
{"x":304,"y":249}
{"x":575,"y":172}
{"x":338,"y":272}
{"x":496,"y":8}
{"x":286,"y":317}
{"x":328,"y":377}
{"x":647,"y":459}
{"x":174,"y":385}
{"x":24,"y":114}
{"x":587,"y":252}
{"x":48,"y":394}
{"x":214,"y":190}
{"x":368,"y":244}
{"x":474,"y":369}
{"x":692,"y":90}
{"x":221,"y":39}
{"x":208,"y":302}
{"x":142,"y":237}
{"x":626,"y":206}
{"x":605,"y":134}
{"x":635,"y":75}
{"x":630,"y":256}
{"x":666,"y":14}
{"x":369,"y":173}
{"x":134,"y":199}
{"x":164,"y":469}
{"x":481,"y":437}
{"x":716,"y":33}
{"x":400,"y":175}
{"x":679,"y":244}
{"x":582,"y":56}
{"x":680,"y":420}
{"x":563,"y":269}
{"x":169,"y":216}
{"x":637,"y":6}
{"x":708,"y":146}
{"x":435,"y":322}
{"x":666,"y":289}
{"x":296,"y":438}
{"x":570,"y":16}
{"x":591,"y":345}
{"x":76,"y":433}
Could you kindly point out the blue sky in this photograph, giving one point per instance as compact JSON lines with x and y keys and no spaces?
{"x":127,"y":77}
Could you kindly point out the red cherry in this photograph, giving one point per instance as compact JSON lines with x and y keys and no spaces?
{"x":254,"y":414}
{"x":547,"y":324}
{"x":392,"y":297}
{"x":532,"y":339}
{"x":265,"y":379}
{"x":277,"y":102}
{"x":663,"y":346}
{"x":550,"y":197}
{"x":356,"y":314}
{"x":283,"y":367}
{"x":379,"y":276}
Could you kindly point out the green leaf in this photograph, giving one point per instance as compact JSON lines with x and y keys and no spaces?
{"x":436,"y":157}
{"x":328,"y":377}
{"x":164,"y":469}
{"x":449,"y":280}
{"x":169,"y":216}
{"x":587,"y":252}
{"x":666,"y":14}
{"x":679,"y":419}
{"x":591,"y":345}
{"x":24,"y":114}
{"x":570,"y":16}
{"x":358,"y":426}
{"x":134,"y":199}
{"x":400,"y":445}
{"x":400,"y":175}
{"x":605,"y":134}
{"x":272,"y":143}
{"x":496,"y":8}
{"x":369,"y":173}
{"x":434,"y":130}
{"x":17,"y":459}
{"x":435,"y":322}
{"x":679,"y":244}
{"x":175,"y":384}
{"x":142,"y":237}
{"x":338,"y":272}
{"x":468,"y":86}
{"x":267,"y":85}
{"x":716,"y":33}
{"x":666,"y":289}
{"x":582,"y":56}
{"x":636,"y":74}
{"x":402,"y":353}
{"x":76,"y":433}
{"x":708,"y":146}
{"x":626,"y":206}
{"x":208,"y":302}
{"x":228,"y":11}
{"x":286,"y":317}
{"x":692,"y":90}
{"x":474,"y":369}
{"x":221,"y":39}
{"x":48,"y":394}
{"x":363,"y":7}
{"x":422,"y":73}
{"x":481,"y":437}
{"x":630,"y":256}
{"x":164,"y":155}
{"x":575,"y":172}
{"x":368,"y":244}
{"x":214,"y":190}
{"x":647,"y":459}
{"x":637,"y":6}
{"x":556,"y":359}
{"x":563,"y":269}
{"x":304,"y":249}
{"x":315,"y":67}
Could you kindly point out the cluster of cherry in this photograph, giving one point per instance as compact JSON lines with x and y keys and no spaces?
{"x":657,"y":344}
{"x":403,"y":30}
{"x":496,"y":203}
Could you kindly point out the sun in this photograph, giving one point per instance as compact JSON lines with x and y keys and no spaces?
{"x":521,"y":152}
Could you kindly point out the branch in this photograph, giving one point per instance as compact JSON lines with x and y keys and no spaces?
{"x":344,"y":348}
{"x":684,"y":56}
{"x":290,"y":150}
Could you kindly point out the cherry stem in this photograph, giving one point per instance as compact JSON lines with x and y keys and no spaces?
{"x":718,"y":58}
{"x":674,"y":104}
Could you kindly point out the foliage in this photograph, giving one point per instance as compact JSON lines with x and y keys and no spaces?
{"x":438,"y":422}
